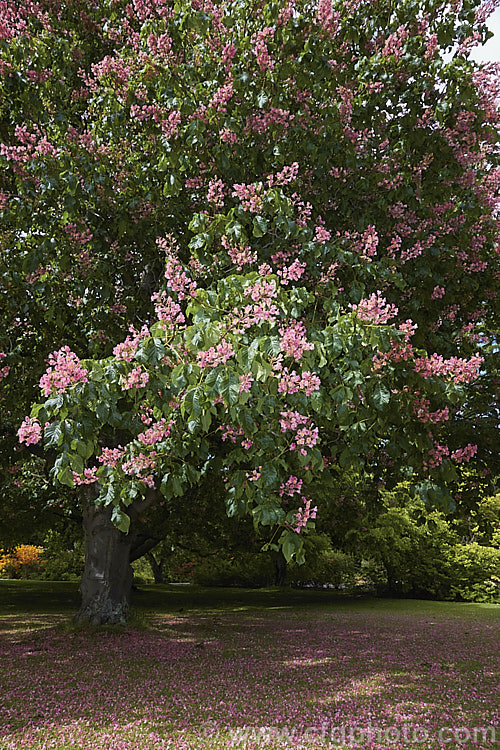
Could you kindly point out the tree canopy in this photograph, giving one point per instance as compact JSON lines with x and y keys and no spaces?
{"x":261,"y":237}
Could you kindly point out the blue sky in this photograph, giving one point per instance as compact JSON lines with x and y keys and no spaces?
{"x":491,"y":51}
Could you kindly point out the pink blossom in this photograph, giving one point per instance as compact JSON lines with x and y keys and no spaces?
{"x":137,"y":378}
{"x":111,"y":456}
{"x":464,"y":454}
{"x":156,"y":433}
{"x":230,"y":433}
{"x":456,"y":369}
{"x":89,"y":476}
{"x":127,"y":349}
{"x":215,"y":193}
{"x":30,"y":432}
{"x":141,"y":466}
{"x":437,"y":292}
{"x":293,"y":340}
{"x":215,"y":355}
{"x":291,"y":487}
{"x":375,"y":309}
{"x":167,"y":310}
{"x":64,"y":371}
{"x":304,"y":514}
{"x":246,"y":382}
{"x":291,"y":273}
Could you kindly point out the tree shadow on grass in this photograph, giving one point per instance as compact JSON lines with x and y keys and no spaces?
{"x":203,"y":674}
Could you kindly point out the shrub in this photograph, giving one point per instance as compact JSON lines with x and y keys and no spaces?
{"x":25,"y":561}
{"x":247,"y":569}
{"x":476,"y":573}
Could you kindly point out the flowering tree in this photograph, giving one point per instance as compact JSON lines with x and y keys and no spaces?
{"x":292,"y":208}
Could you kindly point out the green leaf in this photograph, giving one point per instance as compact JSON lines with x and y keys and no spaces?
{"x":206,"y":420}
{"x":65,"y":476}
{"x":291,"y":544}
{"x":102,"y":411}
{"x":259,"y":226}
{"x":269,"y":475}
{"x":172,"y":185}
{"x":120,"y":519}
{"x":191,"y":403}
{"x":76,"y":463}
{"x":53,"y":435}
{"x":228,"y":386}
{"x":381,"y":396}
{"x":262,"y":99}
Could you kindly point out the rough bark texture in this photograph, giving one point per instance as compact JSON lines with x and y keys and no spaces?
{"x":106,"y":583}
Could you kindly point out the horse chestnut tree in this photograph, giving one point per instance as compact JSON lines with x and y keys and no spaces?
{"x":266,"y":233}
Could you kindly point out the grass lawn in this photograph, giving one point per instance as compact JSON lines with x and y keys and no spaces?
{"x":229,"y":668}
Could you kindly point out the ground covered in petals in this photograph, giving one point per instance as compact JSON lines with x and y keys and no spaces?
{"x":212,"y":669}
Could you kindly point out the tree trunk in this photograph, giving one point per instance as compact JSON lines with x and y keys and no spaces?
{"x":279,"y":568}
{"x":106,"y":583}
{"x":156,"y":567}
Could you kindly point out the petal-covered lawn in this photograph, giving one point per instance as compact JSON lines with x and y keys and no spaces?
{"x":372,"y":674}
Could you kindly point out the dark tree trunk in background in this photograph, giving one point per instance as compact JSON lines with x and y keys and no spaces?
{"x":279,"y":569}
{"x":156,"y":567}
{"x":107,"y":577}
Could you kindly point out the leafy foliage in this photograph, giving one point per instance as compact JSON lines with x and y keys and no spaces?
{"x":294,"y":208}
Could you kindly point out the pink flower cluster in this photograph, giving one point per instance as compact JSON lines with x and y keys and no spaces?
{"x":291,"y":487}
{"x":261,"y":291}
{"x":253,"y":476}
{"x":127,"y":349}
{"x":304,"y":514}
{"x":89,"y":476}
{"x":141,"y":466}
{"x":156,"y":433}
{"x":437,"y":454}
{"x":306,"y":435}
{"x":215,"y":193}
{"x":288,"y":174}
{"x":178,"y":280}
{"x":246,"y":382}
{"x":137,"y":378}
{"x":459,"y":370}
{"x":241,"y":255}
{"x":322,"y":235}
{"x":394,"y":43}
{"x":291,"y":273}
{"x":293,"y":340}
{"x":222,"y":96}
{"x":111,"y":456}
{"x":230,"y":433}
{"x":30,"y":432}
{"x":176,"y":276}
{"x":292,"y":382}
{"x":422,"y":412}
{"x":215,"y":355}
{"x":260,"y":50}
{"x":438,"y":292}
{"x":399,"y":352}
{"x":327,"y":18}
{"x":464,"y":454}
{"x":64,"y":371}
{"x":290,"y":420}
{"x":167,"y":310}
{"x":375,"y":309}
{"x":170,"y":126}
{"x":249,"y":195}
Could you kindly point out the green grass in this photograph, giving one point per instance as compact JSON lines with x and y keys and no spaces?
{"x":208,"y":668}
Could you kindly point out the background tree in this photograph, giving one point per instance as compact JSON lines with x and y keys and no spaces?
{"x":293,"y":207}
